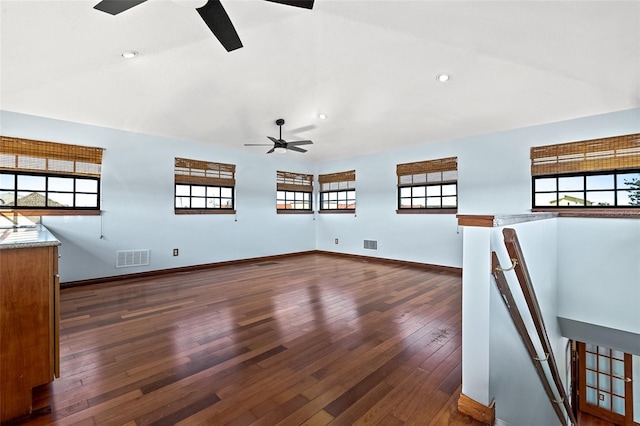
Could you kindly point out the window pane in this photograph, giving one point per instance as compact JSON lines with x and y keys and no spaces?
{"x":419,"y":191}
{"x":405,"y":203}
{"x":342,"y":196}
{"x":197,"y":203}
{"x":629,"y":198}
{"x":226,"y":203}
{"x":545,"y":184}
{"x":406,"y":179}
{"x":449,"y":202}
{"x":307,"y":196}
{"x":332,"y":196}
{"x":351,"y":204}
{"x":213,"y":191}
{"x":434,"y":191}
{"x":546,"y":200}
{"x":600,"y":182}
{"x":351,"y":184}
{"x":448,"y":190}
{"x":31,"y":183}
{"x":629,"y":180}
{"x":405,"y":192}
{"x":198,"y":191}
{"x":299,"y":196}
{"x":570,"y":183}
{"x":420,"y":178}
{"x":226,"y":192}
{"x":60,"y":199}
{"x":343,"y":185}
{"x":618,"y":405}
{"x":433,"y":202}
{"x":280,"y":195}
{"x":351,"y":195}
{"x":213,"y":203}
{"x":31,"y":199}
{"x":183,"y":202}
{"x":7,"y":181}
{"x":60,"y":184}
{"x":434,"y":177}
{"x":571,"y":199}
{"x":183,"y":190}
{"x":418,"y":203}
{"x":87,"y":185}
{"x":86,"y":200}
{"x":601,"y":198}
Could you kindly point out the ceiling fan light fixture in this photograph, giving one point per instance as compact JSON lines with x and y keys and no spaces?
{"x":280,"y":150}
{"x":443,"y":77}
{"x":129,"y":54}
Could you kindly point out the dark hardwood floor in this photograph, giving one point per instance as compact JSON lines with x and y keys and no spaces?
{"x":312,"y":339}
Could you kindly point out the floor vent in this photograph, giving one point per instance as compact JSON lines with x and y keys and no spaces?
{"x":127,"y":258}
{"x":371,"y":244}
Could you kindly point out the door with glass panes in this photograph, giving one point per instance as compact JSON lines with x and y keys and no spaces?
{"x":605,"y":386}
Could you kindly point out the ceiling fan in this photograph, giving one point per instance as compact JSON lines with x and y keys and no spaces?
{"x":212,"y":13}
{"x":280,"y":145}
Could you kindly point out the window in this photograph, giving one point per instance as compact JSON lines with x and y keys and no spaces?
{"x":428,"y":186}
{"x":46,"y":178}
{"x":204,"y":187}
{"x":294,"y":192}
{"x":599,"y":173}
{"x":338,"y":192}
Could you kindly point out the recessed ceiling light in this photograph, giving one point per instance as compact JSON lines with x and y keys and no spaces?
{"x":129,"y":54}
{"x":442,"y":77}
{"x":323,"y":116}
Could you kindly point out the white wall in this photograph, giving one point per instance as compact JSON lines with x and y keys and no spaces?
{"x":137,"y":203}
{"x":514,"y":382}
{"x":599,"y":272}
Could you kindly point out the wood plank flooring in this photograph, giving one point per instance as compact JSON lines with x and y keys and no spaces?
{"x":310,"y":340}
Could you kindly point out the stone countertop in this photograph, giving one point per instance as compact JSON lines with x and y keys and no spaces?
{"x":37,"y":236}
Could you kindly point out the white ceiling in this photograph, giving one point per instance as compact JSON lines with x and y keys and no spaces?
{"x":371,"y":66}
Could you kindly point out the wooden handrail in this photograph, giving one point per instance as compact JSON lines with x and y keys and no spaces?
{"x":514,"y":312}
{"x":522,"y":273}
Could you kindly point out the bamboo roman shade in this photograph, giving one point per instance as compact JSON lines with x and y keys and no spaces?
{"x":287,"y":181}
{"x":204,"y":172}
{"x":618,"y":152}
{"x":325,"y":181}
{"x":27,"y":155}
{"x":442,"y":170}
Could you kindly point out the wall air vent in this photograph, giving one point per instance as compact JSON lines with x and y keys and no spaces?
{"x":371,"y":244}
{"x":128,"y":258}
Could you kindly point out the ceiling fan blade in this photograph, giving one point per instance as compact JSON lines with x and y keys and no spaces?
{"x":113,"y":7}
{"x":274,"y":140}
{"x":271,"y":150}
{"x":295,"y":148}
{"x":216,"y":18}
{"x":307,"y":4}
{"x":257,"y":144}
{"x":299,"y":143}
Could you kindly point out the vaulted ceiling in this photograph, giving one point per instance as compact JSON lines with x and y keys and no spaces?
{"x":370,"y":66}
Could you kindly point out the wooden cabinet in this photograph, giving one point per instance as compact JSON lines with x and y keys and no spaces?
{"x":29,"y":325}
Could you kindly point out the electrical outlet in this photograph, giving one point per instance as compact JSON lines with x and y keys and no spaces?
{"x":175,"y":252}
{"x":336,"y":241}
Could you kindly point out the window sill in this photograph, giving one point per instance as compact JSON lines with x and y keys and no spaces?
{"x":51,"y":212}
{"x":620,"y":213}
{"x":293,"y":211}
{"x":341,"y":211}
{"x":427,"y":211}
{"x":204,"y":211}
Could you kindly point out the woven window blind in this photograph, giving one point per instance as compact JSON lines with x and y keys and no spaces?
{"x":618,"y":152}
{"x":288,"y":181}
{"x":442,"y":170}
{"x":341,"y":180}
{"x":204,"y":173}
{"x":28,"y":155}
{"x":338,"y":177}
